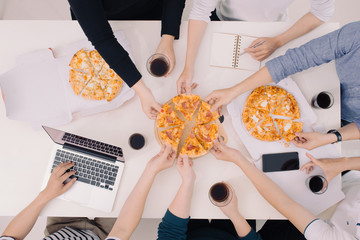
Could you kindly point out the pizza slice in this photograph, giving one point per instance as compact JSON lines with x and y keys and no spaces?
{"x":78,"y":80}
{"x":186,"y":104}
{"x":172,"y":136}
{"x":107,"y":73}
{"x":112,"y":89}
{"x":252,"y":116}
{"x":93,"y":90}
{"x":288,"y":108}
{"x":167,"y":117}
{"x":206,"y":134}
{"x":192,"y":147}
{"x":81,"y":61}
{"x":266,"y":131}
{"x":205,"y":115}
{"x":275,"y":95}
{"x":258,"y":99}
{"x":288,"y":128}
{"x":96,"y":60}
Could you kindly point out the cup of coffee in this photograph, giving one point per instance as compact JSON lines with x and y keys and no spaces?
{"x":158,"y":65}
{"x":323,"y":100}
{"x":317,"y":184}
{"x":136,"y":141}
{"x":220,"y":194}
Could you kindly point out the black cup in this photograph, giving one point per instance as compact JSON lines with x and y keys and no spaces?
{"x":323,"y":100}
{"x":136,"y":141}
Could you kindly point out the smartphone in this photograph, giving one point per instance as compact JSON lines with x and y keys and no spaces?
{"x":277,"y":162}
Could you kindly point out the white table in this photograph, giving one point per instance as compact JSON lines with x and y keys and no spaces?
{"x":24,"y":153}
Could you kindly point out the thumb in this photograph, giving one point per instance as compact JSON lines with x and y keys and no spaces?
{"x":256,"y":41}
{"x":157,"y":106}
{"x":216,"y":106}
{"x":69,"y":184}
{"x":314,"y":160}
{"x":210,"y":96}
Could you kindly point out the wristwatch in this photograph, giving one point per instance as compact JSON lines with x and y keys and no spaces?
{"x":338,"y":135}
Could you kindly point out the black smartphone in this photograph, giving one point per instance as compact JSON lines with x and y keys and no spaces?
{"x":277,"y":162}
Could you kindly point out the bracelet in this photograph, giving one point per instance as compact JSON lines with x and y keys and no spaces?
{"x":338,"y":135}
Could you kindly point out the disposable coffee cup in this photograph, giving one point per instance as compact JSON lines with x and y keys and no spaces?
{"x":158,"y":65}
{"x":137,"y":141}
{"x":317,"y":184}
{"x":220,"y":194}
{"x":323,"y":100}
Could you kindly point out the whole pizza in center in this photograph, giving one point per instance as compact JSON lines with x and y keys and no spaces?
{"x":188,"y":125}
{"x":271,"y":114}
{"x":92,"y":78}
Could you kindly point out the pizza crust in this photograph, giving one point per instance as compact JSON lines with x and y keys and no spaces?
{"x":186,"y":104}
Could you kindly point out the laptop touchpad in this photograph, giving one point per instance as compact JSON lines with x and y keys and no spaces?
{"x":79,"y":192}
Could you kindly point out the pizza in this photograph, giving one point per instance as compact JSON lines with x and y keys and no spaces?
{"x":266,"y":130}
{"x":258,"y":99}
{"x":186,"y":104}
{"x":288,"y":128}
{"x":275,"y":95}
{"x":269,"y":104}
{"x":252,"y":116}
{"x":172,"y":136}
{"x":206,"y":134}
{"x":192,"y":147}
{"x":89,"y":70}
{"x":288,"y":108}
{"x":205,"y":115}
{"x":167,"y":117}
{"x":78,"y":80}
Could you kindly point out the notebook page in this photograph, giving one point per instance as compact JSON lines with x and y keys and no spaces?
{"x":223,"y":49}
{"x":245,"y":61}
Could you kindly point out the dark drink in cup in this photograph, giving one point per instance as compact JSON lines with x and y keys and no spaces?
{"x":317,"y":184}
{"x":323,"y":100}
{"x":158,"y":65}
{"x":220,"y":194}
{"x":136,"y":141}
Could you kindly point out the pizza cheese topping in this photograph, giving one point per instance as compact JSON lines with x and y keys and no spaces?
{"x":264,"y":113}
{"x":90,"y":75}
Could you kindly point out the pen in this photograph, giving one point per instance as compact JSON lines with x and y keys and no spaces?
{"x":256,"y":45}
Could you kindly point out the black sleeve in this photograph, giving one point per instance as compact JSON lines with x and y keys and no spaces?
{"x":171,"y":17}
{"x":92,"y":19}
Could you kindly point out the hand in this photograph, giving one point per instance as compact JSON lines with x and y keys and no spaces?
{"x":184,"y":85}
{"x":231,"y":209}
{"x":311,"y":140}
{"x":223,"y":152}
{"x":56,"y":186}
{"x":220,"y":97}
{"x":184,"y":167}
{"x":148,"y":103}
{"x":166,"y":47}
{"x":331,"y":166}
{"x":264,"y":50}
{"x":163,"y":160}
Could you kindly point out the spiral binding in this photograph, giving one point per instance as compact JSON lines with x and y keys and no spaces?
{"x":237,"y":42}
{"x":238,"y":52}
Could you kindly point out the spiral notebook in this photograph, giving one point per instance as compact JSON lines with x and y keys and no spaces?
{"x":227,"y":49}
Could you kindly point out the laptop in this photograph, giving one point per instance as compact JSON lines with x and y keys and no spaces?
{"x":99,"y":168}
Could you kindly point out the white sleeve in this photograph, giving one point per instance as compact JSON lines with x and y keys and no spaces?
{"x":323,"y":9}
{"x":320,"y":230}
{"x":201,"y":9}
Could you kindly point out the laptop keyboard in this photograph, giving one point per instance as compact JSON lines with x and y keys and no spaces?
{"x":89,"y":170}
{"x":92,"y":144}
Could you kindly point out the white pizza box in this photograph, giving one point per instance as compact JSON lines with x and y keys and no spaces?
{"x":257,"y":147}
{"x":37,"y":90}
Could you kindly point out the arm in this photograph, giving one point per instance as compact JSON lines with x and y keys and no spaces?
{"x":272,"y":193}
{"x":133,"y":208}
{"x":198,"y":20}
{"x":174,"y":223}
{"x":22,"y":224}
{"x":321,"y":11}
{"x":332,"y":166}
{"x":314,"y":53}
{"x":311,"y":140}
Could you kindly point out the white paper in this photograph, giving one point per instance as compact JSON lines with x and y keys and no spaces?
{"x":245,"y":61}
{"x":257,"y":147}
{"x":223,"y":47}
{"x":37,"y":90}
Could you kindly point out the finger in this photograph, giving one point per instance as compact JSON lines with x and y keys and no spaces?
{"x":64,"y":168}
{"x":220,"y":111}
{"x":67,"y":175}
{"x":179,"y":86}
{"x":69,"y":184}
{"x":162,"y":148}
{"x":256,"y":41}
{"x":167,"y":149}
{"x":188,"y":89}
{"x":194,"y":85}
{"x":157,"y":107}
{"x":307,"y":166}
{"x":210,"y":96}
{"x":216,"y":106}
